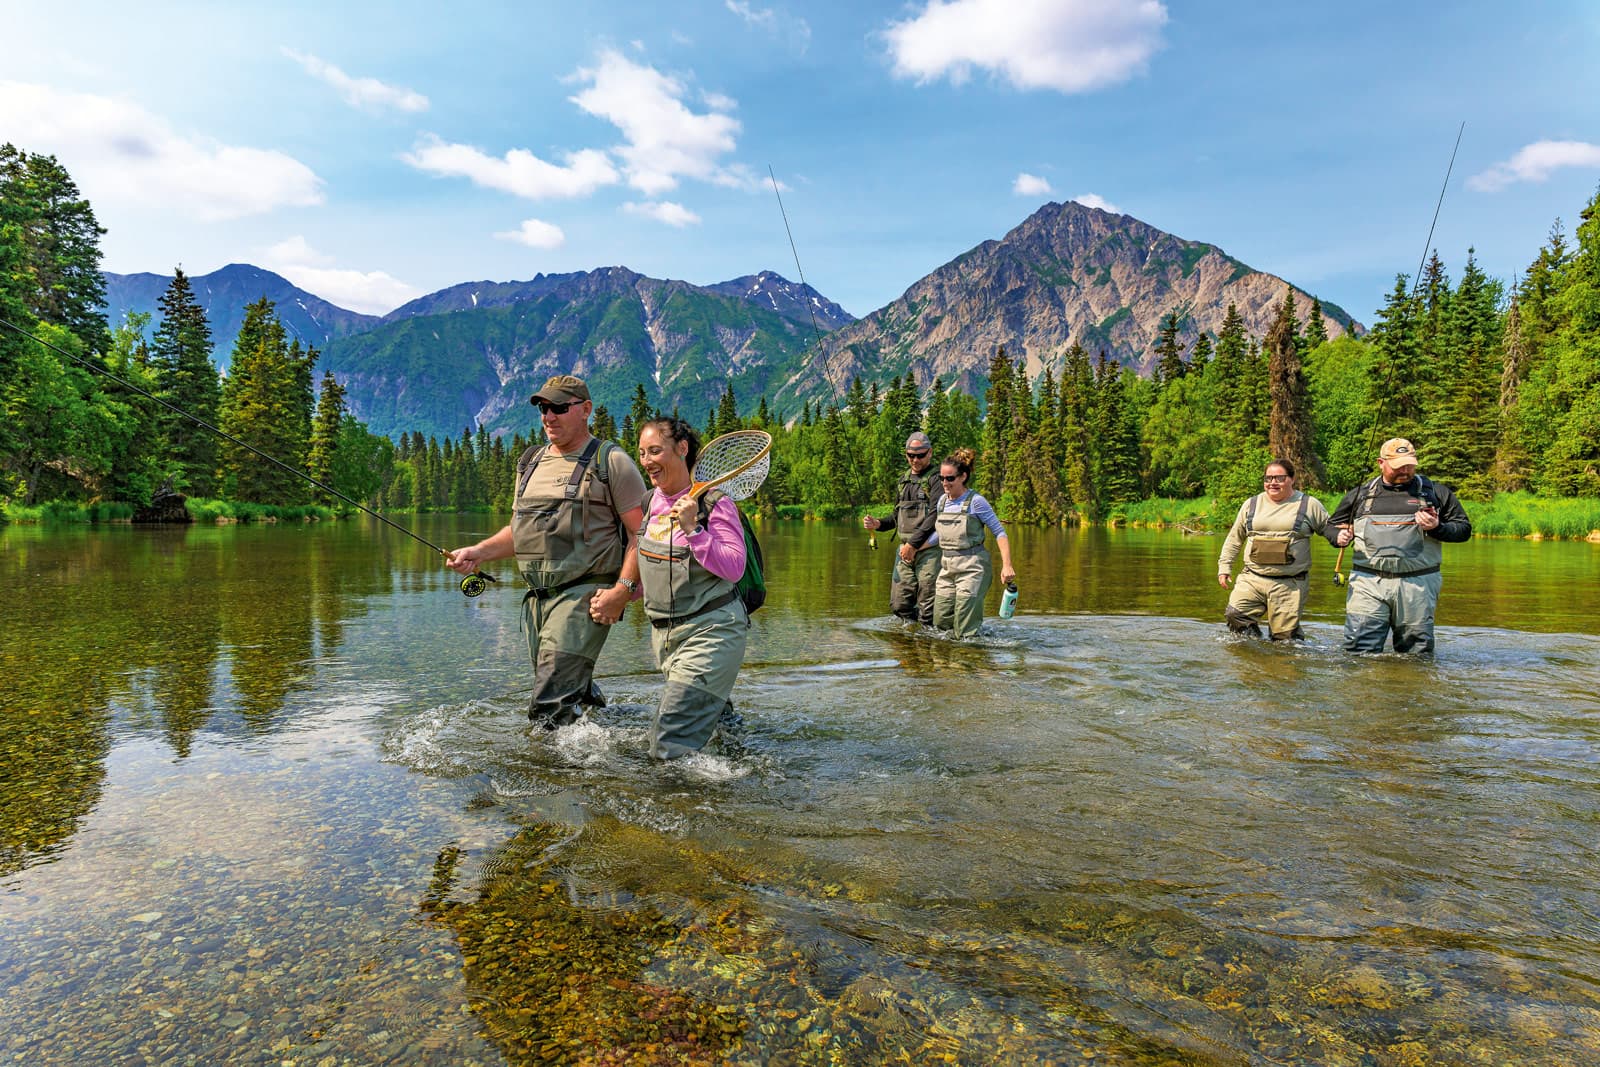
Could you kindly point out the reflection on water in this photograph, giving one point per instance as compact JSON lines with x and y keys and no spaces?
{"x":271,"y":797}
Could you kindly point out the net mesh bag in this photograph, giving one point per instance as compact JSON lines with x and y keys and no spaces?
{"x":742,"y":458}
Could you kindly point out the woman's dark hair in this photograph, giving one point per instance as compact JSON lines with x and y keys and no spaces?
{"x":961,"y":459}
{"x":677,"y":430}
{"x":1288,"y":468}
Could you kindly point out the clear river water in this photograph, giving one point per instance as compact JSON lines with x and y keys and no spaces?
{"x":268,"y":796}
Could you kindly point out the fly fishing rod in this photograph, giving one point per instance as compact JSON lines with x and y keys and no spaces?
{"x":1416,"y":283}
{"x":872,"y":535}
{"x":472,"y":585}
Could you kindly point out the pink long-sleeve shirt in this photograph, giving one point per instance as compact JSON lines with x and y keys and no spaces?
{"x":719,"y":547}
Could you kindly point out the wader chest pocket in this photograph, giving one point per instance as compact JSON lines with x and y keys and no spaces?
{"x":544,"y":532}
{"x":1270,"y":553}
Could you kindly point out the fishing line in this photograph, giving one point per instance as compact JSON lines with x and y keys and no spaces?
{"x":1416,"y":283}
{"x":815,"y":333}
{"x":472,"y":585}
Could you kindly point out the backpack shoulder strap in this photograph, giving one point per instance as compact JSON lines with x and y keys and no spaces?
{"x":525,"y":464}
{"x":1300,"y":516}
{"x":602,"y":467}
{"x":1250,"y":516}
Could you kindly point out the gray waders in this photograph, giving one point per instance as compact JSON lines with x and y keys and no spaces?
{"x":1394,"y":580}
{"x":911,"y":589}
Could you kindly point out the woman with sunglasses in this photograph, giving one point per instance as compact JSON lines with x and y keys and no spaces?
{"x":965,"y":569}
{"x":1275,"y":528}
{"x":691,"y":553}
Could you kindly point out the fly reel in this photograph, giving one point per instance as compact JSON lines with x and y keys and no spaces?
{"x":475,"y":583}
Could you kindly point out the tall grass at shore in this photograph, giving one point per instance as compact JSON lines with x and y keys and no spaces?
{"x":1526,"y":515}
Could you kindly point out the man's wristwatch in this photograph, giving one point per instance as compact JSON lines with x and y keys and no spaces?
{"x":629,"y":584}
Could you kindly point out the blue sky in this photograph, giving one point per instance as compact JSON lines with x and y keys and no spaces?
{"x":374,"y":152}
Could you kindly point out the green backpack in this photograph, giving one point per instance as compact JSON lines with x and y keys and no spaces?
{"x":752,"y":584}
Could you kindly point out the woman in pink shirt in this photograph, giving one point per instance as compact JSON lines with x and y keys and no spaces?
{"x":691,"y":553}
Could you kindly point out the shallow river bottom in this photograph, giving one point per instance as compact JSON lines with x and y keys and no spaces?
{"x":1118,"y":839}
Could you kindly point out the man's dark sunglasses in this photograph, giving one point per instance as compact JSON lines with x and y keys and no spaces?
{"x":554,"y":409}
{"x":919,"y":455}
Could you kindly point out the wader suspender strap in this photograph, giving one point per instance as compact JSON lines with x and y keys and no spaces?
{"x":535,"y":454}
{"x":1424,"y":490}
{"x":1250,"y":515}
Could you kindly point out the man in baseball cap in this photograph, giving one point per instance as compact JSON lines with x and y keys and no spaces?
{"x":916,"y":567}
{"x":561,"y":389}
{"x":578,"y":505}
{"x":1397,"y":523}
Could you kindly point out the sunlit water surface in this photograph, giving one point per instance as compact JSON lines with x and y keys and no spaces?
{"x":269,"y":796}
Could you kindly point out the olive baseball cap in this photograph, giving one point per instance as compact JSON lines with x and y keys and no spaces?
{"x":562,"y":389}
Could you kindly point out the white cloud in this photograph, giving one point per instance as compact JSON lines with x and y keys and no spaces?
{"x":119,"y":152}
{"x":1031,"y":185}
{"x":1097,"y":202}
{"x":535,"y":233}
{"x":371,"y":292}
{"x":1535,"y":163}
{"x":796,"y":30}
{"x":1071,"y":46}
{"x":666,"y":141}
{"x":520,"y":172}
{"x":664,"y":211}
{"x":368,"y":94}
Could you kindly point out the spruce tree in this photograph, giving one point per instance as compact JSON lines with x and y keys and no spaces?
{"x":325,"y":432}
{"x":996,"y":424}
{"x":1169,"y":365}
{"x":1228,"y":373}
{"x":1316,"y":327}
{"x":1513,"y":464}
{"x":728,"y":412}
{"x":187,"y":379}
{"x":1291,"y":431}
{"x":59,"y":241}
{"x":1076,"y":420}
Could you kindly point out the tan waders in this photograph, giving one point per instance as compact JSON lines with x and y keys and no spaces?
{"x":563,"y":644}
{"x":965,"y":570}
{"x":700,"y":658}
{"x":963,"y":583}
{"x":569,"y":543}
{"x":698,"y":633}
{"x":1278,"y":602}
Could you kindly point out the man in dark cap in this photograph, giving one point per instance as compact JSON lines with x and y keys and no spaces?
{"x":578,"y":506}
{"x":1397,"y":523}
{"x":916,"y":568}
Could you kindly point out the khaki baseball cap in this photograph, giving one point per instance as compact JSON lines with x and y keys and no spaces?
{"x":1398,"y":451}
{"x":562,"y":389}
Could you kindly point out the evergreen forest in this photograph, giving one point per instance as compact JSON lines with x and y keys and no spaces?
{"x":1497,"y":384}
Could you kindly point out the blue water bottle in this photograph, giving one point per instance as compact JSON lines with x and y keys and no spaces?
{"x":1008,"y":602}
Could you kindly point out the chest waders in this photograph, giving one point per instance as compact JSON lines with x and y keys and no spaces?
{"x":698,"y":633}
{"x":565,"y":553}
{"x":1395,"y":580}
{"x":1272,"y":587}
{"x":911,"y":587}
{"x":1272,"y":552}
{"x":964,"y":569}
